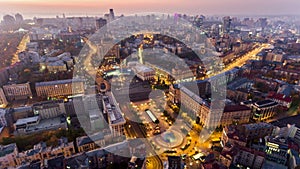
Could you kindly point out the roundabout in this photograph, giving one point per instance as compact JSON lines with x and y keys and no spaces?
{"x":169,"y":139}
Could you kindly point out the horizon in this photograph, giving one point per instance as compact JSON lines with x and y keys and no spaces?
{"x":32,"y":8}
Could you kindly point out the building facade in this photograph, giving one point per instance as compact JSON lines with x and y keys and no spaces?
{"x":237,"y":114}
{"x":3,"y":100}
{"x":59,"y":88}
{"x":17,"y":91}
{"x":264,"y":110}
{"x":49,"y":109}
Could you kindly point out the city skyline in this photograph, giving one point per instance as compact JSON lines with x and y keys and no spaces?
{"x":52,"y":8}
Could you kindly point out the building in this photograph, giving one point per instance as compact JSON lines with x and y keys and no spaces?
{"x":49,"y":109}
{"x":281,"y":99}
{"x":264,"y":110}
{"x":241,"y":134}
{"x":199,"y":109}
{"x":100,"y":23}
{"x":19,"y":18}
{"x":59,"y":63}
{"x":35,"y":125}
{"x":85,"y":144}
{"x":294,"y":160}
{"x":22,"y":112}
{"x":7,"y":155}
{"x":277,"y":150}
{"x":111,"y":15}
{"x":41,"y":153}
{"x":3,"y":101}
{"x":6,"y":118}
{"x":112,"y":111}
{"x":143,"y":72}
{"x":59,"y":88}
{"x":17,"y":91}
{"x":23,"y":124}
{"x":64,"y":147}
{"x":3,"y":121}
{"x":174,"y":162}
{"x":251,"y":158}
{"x":138,"y":90}
{"x":257,"y":130}
{"x":288,"y":127}
{"x":237,"y":114}
{"x":227,"y":24}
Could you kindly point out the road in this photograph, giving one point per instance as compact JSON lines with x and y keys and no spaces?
{"x":239,"y":62}
{"x":21,"y":47}
{"x":137,"y":131}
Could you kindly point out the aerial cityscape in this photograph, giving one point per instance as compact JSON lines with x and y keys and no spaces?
{"x":149,"y":85}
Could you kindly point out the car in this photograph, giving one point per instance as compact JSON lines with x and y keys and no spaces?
{"x":156,"y":132}
{"x":183,"y":156}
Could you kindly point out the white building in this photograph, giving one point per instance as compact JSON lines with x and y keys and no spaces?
{"x":22,"y":124}
{"x":141,"y":71}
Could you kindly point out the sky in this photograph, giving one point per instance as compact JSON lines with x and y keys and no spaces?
{"x":30,"y":8}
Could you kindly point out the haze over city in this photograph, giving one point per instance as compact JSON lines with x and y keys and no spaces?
{"x":51,"y":8}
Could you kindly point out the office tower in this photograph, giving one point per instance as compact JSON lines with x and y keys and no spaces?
{"x":227,"y":24}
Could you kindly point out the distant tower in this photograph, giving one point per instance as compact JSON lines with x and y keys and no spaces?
{"x":111,"y":14}
{"x":226,"y":24}
{"x":19,"y":18}
{"x":8,"y":20}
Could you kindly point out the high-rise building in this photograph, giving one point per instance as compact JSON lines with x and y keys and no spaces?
{"x":227,"y":24}
{"x":111,"y":14}
{"x":19,"y":18}
{"x":8,"y":20}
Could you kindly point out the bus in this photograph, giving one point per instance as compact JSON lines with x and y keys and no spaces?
{"x":152,"y":116}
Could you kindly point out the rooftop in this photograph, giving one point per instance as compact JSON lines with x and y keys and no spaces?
{"x":232,"y":108}
{"x":7,"y":149}
{"x":254,"y":126}
{"x":57,"y":82}
{"x":113,"y":109}
{"x":288,"y":120}
{"x":27,"y":120}
{"x":265,"y":103}
{"x":83,"y":140}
